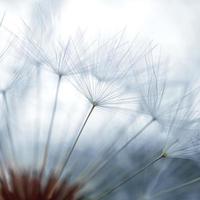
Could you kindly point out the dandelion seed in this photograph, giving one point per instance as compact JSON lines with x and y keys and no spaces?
{"x":183,"y":134}
{"x":104,"y":81}
{"x":99,"y":90}
{"x":63,"y":61}
{"x":151,"y":87}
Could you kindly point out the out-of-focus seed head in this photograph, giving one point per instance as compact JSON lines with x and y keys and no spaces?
{"x":23,"y":185}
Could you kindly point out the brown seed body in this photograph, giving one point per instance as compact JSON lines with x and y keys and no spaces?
{"x":22,"y":186}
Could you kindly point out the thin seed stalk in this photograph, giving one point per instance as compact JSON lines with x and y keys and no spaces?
{"x":37,"y":120}
{"x":79,"y":134}
{"x":14,"y":163}
{"x":102,"y":165}
{"x":172,"y":189}
{"x":129,"y":178}
{"x":8,"y":126}
{"x":72,"y":149}
{"x":2,"y":173}
{"x":49,"y":133}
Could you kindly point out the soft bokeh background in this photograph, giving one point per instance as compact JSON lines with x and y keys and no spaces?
{"x":171,"y":24}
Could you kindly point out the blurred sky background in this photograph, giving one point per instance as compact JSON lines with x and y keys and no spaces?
{"x":173,"y":25}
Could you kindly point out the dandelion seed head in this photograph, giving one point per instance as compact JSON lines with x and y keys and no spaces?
{"x":151,"y":88}
{"x":56,"y":55}
{"x":106,"y":68}
{"x":184,"y":146}
{"x":182,"y":141}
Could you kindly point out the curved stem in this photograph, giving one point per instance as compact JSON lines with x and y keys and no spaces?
{"x":127,"y":179}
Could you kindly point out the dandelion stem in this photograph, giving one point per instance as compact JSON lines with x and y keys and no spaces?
{"x":37,"y":120}
{"x":129,"y":178}
{"x":72,"y":149}
{"x":78,"y":136}
{"x":176,"y":187}
{"x":120,"y":150}
{"x":49,"y":134}
{"x":8,"y":125}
